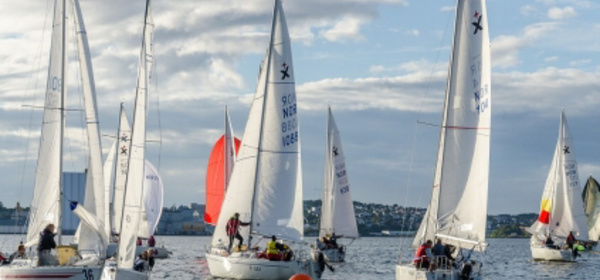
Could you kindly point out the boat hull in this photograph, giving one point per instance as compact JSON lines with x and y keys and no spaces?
{"x":111,"y":272}
{"x":547,"y":254}
{"x":410,"y":272}
{"x":159,"y":252}
{"x":330,"y":255}
{"x":50,"y":272}
{"x":238,"y":266}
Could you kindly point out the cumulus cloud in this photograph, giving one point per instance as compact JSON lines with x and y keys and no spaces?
{"x":505,"y":49}
{"x":557,"y":13}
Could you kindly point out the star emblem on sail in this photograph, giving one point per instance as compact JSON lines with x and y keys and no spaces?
{"x":477,"y":24}
{"x":284,"y":71}
{"x":566,"y":150}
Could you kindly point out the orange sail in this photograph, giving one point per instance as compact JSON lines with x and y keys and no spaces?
{"x":216,"y":179}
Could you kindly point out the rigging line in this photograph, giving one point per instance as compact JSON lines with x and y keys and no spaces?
{"x":35,"y":94}
{"x":415,"y":131}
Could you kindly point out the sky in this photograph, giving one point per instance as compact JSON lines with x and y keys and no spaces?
{"x":380,"y":64}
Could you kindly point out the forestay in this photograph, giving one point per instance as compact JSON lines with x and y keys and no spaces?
{"x":337,"y":210}
{"x":561,"y":210}
{"x":458,"y":207}
{"x":266,"y":183}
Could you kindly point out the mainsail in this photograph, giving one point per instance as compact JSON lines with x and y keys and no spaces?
{"x":135,"y":172}
{"x":45,"y":207}
{"x":337,"y":211}
{"x":458,"y":208}
{"x":266,"y":183}
{"x":591,"y":203}
{"x":123,"y":145}
{"x":218,"y":172}
{"x":561,"y":210}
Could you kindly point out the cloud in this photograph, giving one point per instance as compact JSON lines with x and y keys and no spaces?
{"x":413,"y":32}
{"x":551,"y":59}
{"x":580,"y":62}
{"x":505,"y":49}
{"x":556,"y":13}
{"x":528,"y":10}
{"x":448,"y":8}
{"x":345,"y":29}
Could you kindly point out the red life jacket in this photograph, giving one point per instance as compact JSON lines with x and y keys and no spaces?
{"x":421,"y":254}
{"x":232,"y":227}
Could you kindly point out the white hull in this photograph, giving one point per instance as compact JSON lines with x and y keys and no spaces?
{"x":546,"y":254}
{"x":240,"y":266}
{"x":330,"y":255}
{"x":409,"y":272}
{"x":160,"y":252}
{"x":111,"y":272}
{"x":49,"y":272}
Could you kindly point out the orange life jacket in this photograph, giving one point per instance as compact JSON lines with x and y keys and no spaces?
{"x":421,"y":254}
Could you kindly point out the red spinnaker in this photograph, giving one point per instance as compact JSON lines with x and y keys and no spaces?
{"x":215,"y":180}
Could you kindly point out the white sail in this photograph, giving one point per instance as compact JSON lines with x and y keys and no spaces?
{"x":591,"y":202}
{"x":120,"y":174}
{"x":45,"y":207}
{"x":561,"y":203}
{"x":109,"y":165}
{"x":337,"y":212}
{"x":230,"y":154}
{"x":462,"y":168}
{"x":265,"y":185}
{"x":135,"y":172}
{"x":95,"y":201}
{"x":153,"y":201}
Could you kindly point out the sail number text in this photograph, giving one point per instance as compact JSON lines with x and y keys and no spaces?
{"x":289,"y":125}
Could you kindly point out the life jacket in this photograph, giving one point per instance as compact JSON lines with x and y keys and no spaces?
{"x":421,"y":254}
{"x":272,"y":248}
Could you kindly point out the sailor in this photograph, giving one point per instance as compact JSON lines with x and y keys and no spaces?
{"x":19,"y":254}
{"x":46,"y":245}
{"x":151,"y":241}
{"x":233,"y":228}
{"x":438,"y":249}
{"x":275,"y":250}
{"x":571,"y":240}
{"x":142,"y":264}
{"x":423,"y":256}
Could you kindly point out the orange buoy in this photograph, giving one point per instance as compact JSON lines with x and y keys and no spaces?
{"x":300,"y":276}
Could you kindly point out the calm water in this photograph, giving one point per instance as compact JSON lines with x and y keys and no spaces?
{"x":375,"y":258}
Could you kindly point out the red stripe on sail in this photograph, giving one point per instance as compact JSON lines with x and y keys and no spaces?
{"x":215,"y":180}
{"x":544,"y":217}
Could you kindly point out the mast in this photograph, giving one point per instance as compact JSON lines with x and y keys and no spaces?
{"x":63,"y":93}
{"x":262,"y":120}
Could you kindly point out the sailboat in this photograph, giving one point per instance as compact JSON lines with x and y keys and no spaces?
{"x":115,"y":168}
{"x":266,"y":183}
{"x":131,"y":216}
{"x":561,"y":210}
{"x":218,"y":172}
{"x":457,"y":211}
{"x":591,"y":202}
{"x":46,"y":206}
{"x":337,"y":210}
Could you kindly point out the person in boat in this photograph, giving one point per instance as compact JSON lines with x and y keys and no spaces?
{"x":142,"y":263}
{"x":276,"y":251}
{"x":438,"y":249}
{"x":138,"y":242}
{"x":45,"y":247}
{"x":233,"y":230}
{"x":549,"y":242}
{"x":334,"y":238}
{"x":571,"y":240}
{"x":423,"y":256}
{"x":320,"y":245}
{"x":19,"y":254}
{"x":151,"y":241}
{"x":115,"y":237}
